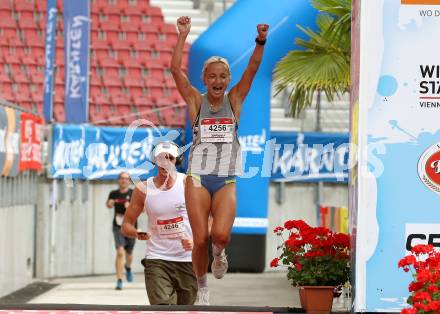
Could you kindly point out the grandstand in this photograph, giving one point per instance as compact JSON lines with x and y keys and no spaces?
{"x":131,"y":50}
{"x":131,"y":43}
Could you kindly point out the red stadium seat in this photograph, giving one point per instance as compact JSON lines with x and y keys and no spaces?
{"x":4,"y":78}
{"x":5,"y":5}
{"x":144,"y":101}
{"x":170,"y":33}
{"x":35,"y":42}
{"x":102,"y":99}
{"x":135,"y":73}
{"x":31,"y":33}
{"x":152,"y":117}
{"x":132,"y":63}
{"x":100,"y":45}
{"x":59,"y":97}
{"x":12,"y":59}
{"x":58,"y":112}
{"x":41,"y":6}
{"x":8,"y":23}
{"x":155,"y":70}
{"x":37,"y":77}
{"x":150,"y":32}
{"x":138,"y":4}
{"x":121,"y":99}
{"x":121,"y":44}
{"x":109,"y":66}
{"x":131,"y":81}
{"x":6,"y":93}
{"x":59,"y":59}
{"x":110,"y":28}
{"x":134,"y":14}
{"x":25,"y":9}
{"x":109,"y":80}
{"x":94,"y":34}
{"x":95,"y":80}
{"x":37,"y":96}
{"x":27,"y":22}
{"x":59,"y":41}
{"x":113,"y":13}
{"x":23,"y":5}
{"x":20,"y":77}
{"x":113,"y":84}
{"x":152,"y":15}
{"x":22,"y":96}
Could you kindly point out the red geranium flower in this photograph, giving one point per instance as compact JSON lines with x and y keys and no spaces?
{"x":313,"y":256}
{"x":274,"y":262}
{"x":424,"y":289}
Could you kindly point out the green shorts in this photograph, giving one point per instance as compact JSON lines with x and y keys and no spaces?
{"x":169,"y":282}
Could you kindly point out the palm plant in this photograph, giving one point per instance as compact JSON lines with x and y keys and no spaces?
{"x":323,"y":63}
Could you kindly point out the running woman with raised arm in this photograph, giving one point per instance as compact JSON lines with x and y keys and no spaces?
{"x":215,"y":155}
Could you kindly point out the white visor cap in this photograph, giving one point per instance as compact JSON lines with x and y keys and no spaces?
{"x":166,"y":147}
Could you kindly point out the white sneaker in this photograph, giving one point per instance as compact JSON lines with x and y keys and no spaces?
{"x":219,"y":265}
{"x":202,"y":296}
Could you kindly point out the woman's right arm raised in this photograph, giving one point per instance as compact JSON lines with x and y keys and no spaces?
{"x":191,"y":95}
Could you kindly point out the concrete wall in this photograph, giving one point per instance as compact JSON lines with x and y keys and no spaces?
{"x":82,"y":240}
{"x":17,"y":228}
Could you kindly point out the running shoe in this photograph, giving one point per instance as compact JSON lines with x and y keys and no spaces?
{"x":219,"y":265}
{"x":119,"y":284}
{"x":129,"y":274}
{"x":202,"y":296}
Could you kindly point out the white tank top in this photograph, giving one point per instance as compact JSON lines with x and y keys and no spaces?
{"x":167,"y":222}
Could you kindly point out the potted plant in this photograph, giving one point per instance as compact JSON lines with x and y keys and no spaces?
{"x":424,"y":263}
{"x":317,"y":261}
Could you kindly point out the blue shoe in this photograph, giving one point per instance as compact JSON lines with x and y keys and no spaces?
{"x":128,"y":274}
{"x":119,"y":284}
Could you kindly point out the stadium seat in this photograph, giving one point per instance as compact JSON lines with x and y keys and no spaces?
{"x":110,"y":28}
{"x":121,"y":100}
{"x":152,"y":15}
{"x":4,"y":78}
{"x":41,"y":6}
{"x":170,"y":32}
{"x":134,"y":14}
{"x":11,"y":59}
{"x":58,"y":112}
{"x":5,"y":5}
{"x":37,"y":77}
{"x":112,"y":83}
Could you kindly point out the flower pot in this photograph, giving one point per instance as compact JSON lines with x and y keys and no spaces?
{"x":316,"y":299}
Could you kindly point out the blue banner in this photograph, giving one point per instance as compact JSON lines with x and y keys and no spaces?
{"x":76,"y":38}
{"x":310,"y":157}
{"x":86,"y":152}
{"x":51,"y":27}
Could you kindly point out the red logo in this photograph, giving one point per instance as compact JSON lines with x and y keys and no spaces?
{"x":429,"y":168}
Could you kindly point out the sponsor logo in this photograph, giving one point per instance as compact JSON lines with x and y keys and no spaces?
{"x":429,"y":86}
{"x":429,"y":168}
{"x":422,"y":234}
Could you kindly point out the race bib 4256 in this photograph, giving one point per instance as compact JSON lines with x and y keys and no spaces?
{"x":217,"y":130}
